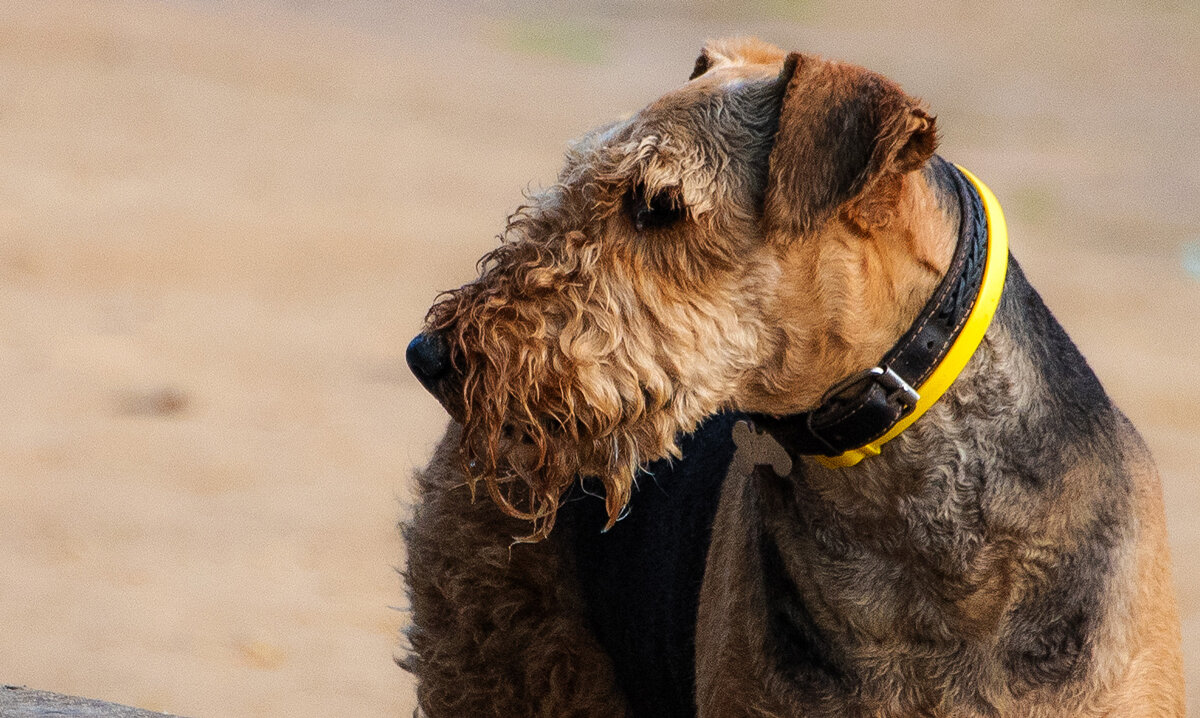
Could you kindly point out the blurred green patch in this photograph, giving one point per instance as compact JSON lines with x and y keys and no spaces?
{"x":1032,"y":202}
{"x":1190,"y":259}
{"x":558,"y":39}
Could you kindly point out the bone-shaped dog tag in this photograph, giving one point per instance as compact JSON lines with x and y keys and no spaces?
{"x":758,"y":448}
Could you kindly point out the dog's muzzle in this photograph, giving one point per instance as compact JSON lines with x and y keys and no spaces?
{"x":428,"y":357}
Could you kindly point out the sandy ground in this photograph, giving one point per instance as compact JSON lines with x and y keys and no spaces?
{"x":220,"y":222}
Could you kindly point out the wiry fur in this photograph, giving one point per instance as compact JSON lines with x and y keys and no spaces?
{"x":960,"y":573}
{"x":1005,"y":556}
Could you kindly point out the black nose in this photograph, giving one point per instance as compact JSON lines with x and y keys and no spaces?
{"x":429,"y":359}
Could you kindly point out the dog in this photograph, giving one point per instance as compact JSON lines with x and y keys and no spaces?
{"x":837,"y":457}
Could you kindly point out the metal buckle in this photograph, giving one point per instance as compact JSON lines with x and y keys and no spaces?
{"x":895,"y":386}
{"x":898,"y":389}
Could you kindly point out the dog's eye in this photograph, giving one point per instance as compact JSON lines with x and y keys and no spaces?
{"x":657,"y":211}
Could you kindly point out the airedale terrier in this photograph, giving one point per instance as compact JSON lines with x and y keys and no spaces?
{"x":837,"y":457}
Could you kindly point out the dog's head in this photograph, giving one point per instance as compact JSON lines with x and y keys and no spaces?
{"x":726,"y":247}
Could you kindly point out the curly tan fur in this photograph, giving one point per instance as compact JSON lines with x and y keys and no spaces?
{"x":585,"y":346}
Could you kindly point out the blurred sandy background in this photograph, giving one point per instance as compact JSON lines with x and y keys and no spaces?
{"x":220,"y":222}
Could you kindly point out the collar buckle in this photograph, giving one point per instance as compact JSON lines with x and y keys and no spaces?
{"x":855,"y":389}
{"x":897,"y":389}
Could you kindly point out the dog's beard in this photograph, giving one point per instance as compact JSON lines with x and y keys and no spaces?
{"x":526,"y":473}
{"x":530,"y":429}
{"x":529,"y":442}
{"x":534,"y":418}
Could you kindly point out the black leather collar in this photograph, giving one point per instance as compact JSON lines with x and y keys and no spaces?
{"x":865,"y":406}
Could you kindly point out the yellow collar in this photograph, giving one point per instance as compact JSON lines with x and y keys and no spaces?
{"x":969,"y":337}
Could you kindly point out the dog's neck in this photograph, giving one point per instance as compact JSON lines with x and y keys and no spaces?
{"x":928,"y":236}
{"x":845,"y":296}
{"x":897,"y":269}
{"x":923,"y":548}
{"x":934,"y":548}
{"x":870,"y":407}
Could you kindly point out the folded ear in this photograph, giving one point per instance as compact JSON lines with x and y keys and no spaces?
{"x":845,"y":138}
{"x":735,"y":51}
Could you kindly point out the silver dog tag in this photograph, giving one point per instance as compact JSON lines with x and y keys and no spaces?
{"x":757,"y":448}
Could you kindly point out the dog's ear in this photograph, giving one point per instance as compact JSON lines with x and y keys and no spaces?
{"x":735,"y":51}
{"x":845,"y":137}
{"x":703,"y":62}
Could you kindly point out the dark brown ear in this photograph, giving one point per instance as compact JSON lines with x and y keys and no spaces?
{"x":845,"y":137}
